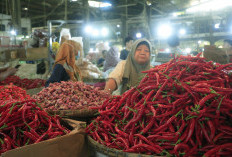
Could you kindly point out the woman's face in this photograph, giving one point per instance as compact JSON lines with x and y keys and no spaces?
{"x":142,"y":54}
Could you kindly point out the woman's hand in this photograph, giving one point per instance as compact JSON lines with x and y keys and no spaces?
{"x":110,"y":86}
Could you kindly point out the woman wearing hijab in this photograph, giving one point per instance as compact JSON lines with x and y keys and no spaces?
{"x":111,"y":58}
{"x":128,"y":72}
{"x":65,"y":68}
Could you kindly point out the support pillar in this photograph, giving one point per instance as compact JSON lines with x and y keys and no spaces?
{"x":16,"y":15}
{"x":65,"y":10}
{"x":86,"y":40}
{"x":124,"y":28}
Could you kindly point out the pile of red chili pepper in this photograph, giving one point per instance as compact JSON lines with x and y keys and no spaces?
{"x":23,"y":83}
{"x":12,"y":93}
{"x":180,"y":108}
{"x":23,"y":123}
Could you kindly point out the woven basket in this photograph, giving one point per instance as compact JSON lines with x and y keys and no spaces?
{"x":111,"y":152}
{"x":215,"y":54}
{"x":82,"y":113}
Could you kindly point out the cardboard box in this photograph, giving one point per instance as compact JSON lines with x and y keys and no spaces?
{"x":70,"y":145}
{"x":13,"y":54}
{"x":37,"y":53}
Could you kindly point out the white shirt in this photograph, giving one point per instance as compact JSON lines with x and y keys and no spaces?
{"x":118,"y":72}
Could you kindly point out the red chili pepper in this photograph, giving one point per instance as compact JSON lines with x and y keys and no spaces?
{"x":121,"y":132}
{"x":191,"y":130}
{"x":212,"y":129}
{"x":147,"y":147}
{"x":215,"y":149}
{"x":182,"y":147}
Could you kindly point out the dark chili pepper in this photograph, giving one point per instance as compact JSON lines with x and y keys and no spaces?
{"x":121,"y":132}
{"x":191,"y":130}
{"x":212,"y":129}
{"x":215,"y":149}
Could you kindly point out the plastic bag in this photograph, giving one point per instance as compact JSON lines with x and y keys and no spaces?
{"x":41,"y":68}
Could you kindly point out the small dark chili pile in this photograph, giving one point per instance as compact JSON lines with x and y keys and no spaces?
{"x":23,"y":83}
{"x":180,"y":108}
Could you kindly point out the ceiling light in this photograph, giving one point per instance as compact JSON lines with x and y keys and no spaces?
{"x":118,"y":26}
{"x":148,"y":2}
{"x":138,"y":35}
{"x":199,"y":42}
{"x":164,"y":31}
{"x":97,"y":4}
{"x":13,"y":32}
{"x":73,"y":0}
{"x":88,"y":29}
{"x":105,"y":31}
{"x":217,"y":25}
{"x":25,"y":8}
{"x":182,"y":31}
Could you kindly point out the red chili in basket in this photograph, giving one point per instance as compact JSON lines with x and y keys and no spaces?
{"x":182,"y":106}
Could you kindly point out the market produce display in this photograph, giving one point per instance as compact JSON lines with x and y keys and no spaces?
{"x":70,"y":96}
{"x":180,"y":108}
{"x":24,"y":122}
{"x":23,"y":83}
{"x":12,"y":93}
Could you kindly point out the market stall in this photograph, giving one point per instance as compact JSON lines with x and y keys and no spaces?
{"x":134,"y":78}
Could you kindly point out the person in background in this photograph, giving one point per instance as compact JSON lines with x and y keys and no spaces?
{"x":228,"y":47}
{"x":111,"y":59}
{"x":194,"y":53}
{"x":5,"y":72}
{"x":100,"y":62}
{"x":174,"y":42}
{"x":65,"y":68}
{"x":128,"y":72}
{"x":128,"y":43}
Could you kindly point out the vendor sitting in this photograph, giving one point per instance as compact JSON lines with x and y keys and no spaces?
{"x":65,"y":68}
{"x":128,"y":72}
